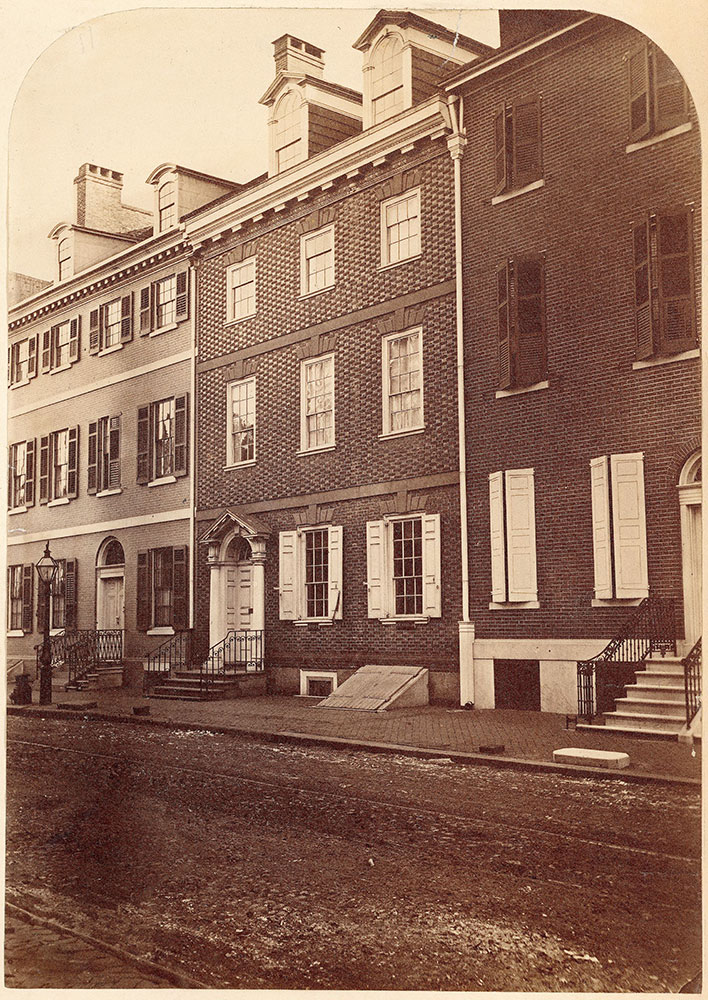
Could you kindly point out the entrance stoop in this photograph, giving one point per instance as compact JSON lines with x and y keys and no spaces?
{"x":376,"y":688}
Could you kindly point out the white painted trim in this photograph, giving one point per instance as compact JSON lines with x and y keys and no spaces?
{"x":99,"y":527}
{"x":304,"y":293}
{"x":104,"y":383}
{"x":690,"y":495}
{"x":25,"y":381}
{"x":230,"y":464}
{"x":231,"y":319}
{"x":512,"y":605}
{"x":162,"y":481}
{"x":384,"y":263}
{"x":239,"y":465}
{"x":313,"y":621}
{"x":110,"y":350}
{"x":316,"y":675}
{"x":653,"y":139}
{"x":304,"y":450}
{"x":17,"y":510}
{"x":61,"y":368}
{"x":398,"y":263}
{"x":386,"y":431}
{"x":15,"y":633}
{"x":58,"y":502}
{"x":396,"y":619}
{"x":109,"y":493}
{"x":399,"y":434}
{"x":655,"y":362}
{"x":315,"y":451}
{"x":615,"y":602}
{"x":503,"y":393}
{"x":163,"y":329}
{"x":161,"y":630}
{"x":533,"y":186}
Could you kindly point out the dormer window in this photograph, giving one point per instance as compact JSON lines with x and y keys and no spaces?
{"x":167,"y":205}
{"x":387,"y":79}
{"x":288,"y":131}
{"x":64,"y":259}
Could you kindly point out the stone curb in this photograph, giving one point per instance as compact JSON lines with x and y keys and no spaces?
{"x":344,"y":743}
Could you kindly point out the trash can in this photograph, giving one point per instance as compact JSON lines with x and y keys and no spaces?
{"x":22,"y":695}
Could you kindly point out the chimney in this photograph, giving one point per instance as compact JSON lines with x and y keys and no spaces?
{"x":98,"y":198}
{"x":295,"y":56}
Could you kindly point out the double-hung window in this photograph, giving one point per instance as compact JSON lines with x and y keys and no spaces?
{"x":162,"y":597}
{"x":657,"y":95}
{"x":387,"y":97}
{"x":20,"y":603}
{"x":521,"y":321}
{"x":164,"y":302}
{"x":619,"y":532}
{"x":104,"y":455}
{"x":241,"y":290}
{"x":241,"y":429}
{"x":111,"y":324}
{"x":61,"y":345}
{"x":288,"y":140}
{"x":111,"y":321}
{"x":403,"y":567}
{"x":317,"y":403}
{"x":317,"y":260}
{"x":403,"y":382}
{"x":512,"y":526}
{"x":400,"y":228}
{"x":64,"y":256}
{"x":22,"y":360}
{"x":61,"y":336}
{"x":517,"y":139}
{"x":310,"y":574}
{"x":167,"y":205}
{"x":58,"y":465}
{"x":21,"y":475}
{"x":163,"y":431}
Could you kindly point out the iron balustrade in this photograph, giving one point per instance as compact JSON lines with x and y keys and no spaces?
{"x":604,"y":678}
{"x":692,"y":681}
{"x":240,"y":651}
{"x":173,"y":654}
{"x":81,"y":651}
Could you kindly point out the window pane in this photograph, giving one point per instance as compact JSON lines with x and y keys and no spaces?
{"x":402,"y":235}
{"x":243,"y":290}
{"x":408,"y":566}
{"x":15,"y":615}
{"x":162,"y":586}
{"x":319,"y":403}
{"x":319,"y":261}
{"x":163,"y":439}
{"x":111,"y":323}
{"x":405,"y":382}
{"x":243,"y":421}
{"x":166,"y":301}
{"x":62,"y":335}
{"x":317,"y":572}
{"x":60,"y":471}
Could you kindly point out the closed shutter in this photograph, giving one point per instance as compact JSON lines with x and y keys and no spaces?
{"x":638,"y":87}
{"x":73,"y":473}
{"x":126,"y":318}
{"x":113,"y":453}
{"x":674,"y":241}
{"x":526,"y":145}
{"x":92,"y":465}
{"x":529,"y":320}
{"x":144,"y":463}
{"x":44,"y":469}
{"x":75,"y":339}
{"x":520,"y":535}
{"x":497,"y":531}
{"x":95,"y":318}
{"x":500,"y":150}
{"x":670,"y":104}
{"x":180,"y":604}
{"x":376,"y":569}
{"x":643,"y":291}
{"x":181,"y":440}
{"x":146,"y":299}
{"x":144,"y":592}
{"x":629,"y":525}
{"x":287,"y":580}
{"x":10,"y":376}
{"x":71,"y":570}
{"x":29,"y":474}
{"x":335,"y":572}
{"x":182,"y":304}
{"x":432,"y":581}
{"x":32,"y":363}
{"x":504,"y":326}
{"x":46,"y":351}
{"x":601,"y":528}
{"x":27,"y":597}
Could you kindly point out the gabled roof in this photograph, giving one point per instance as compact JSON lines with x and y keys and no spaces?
{"x":132,"y":236}
{"x":290,"y":76}
{"x":403,"y":19}
{"x":166,"y":167}
{"x":231,"y":518}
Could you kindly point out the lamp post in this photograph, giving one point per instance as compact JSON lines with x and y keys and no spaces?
{"x":46,"y":571}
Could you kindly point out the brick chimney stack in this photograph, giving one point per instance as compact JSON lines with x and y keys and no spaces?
{"x":295,"y":56}
{"x":98,"y":201}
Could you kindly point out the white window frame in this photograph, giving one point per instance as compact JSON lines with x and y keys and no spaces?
{"x":17,"y":362}
{"x":305,"y":448}
{"x":380,"y":583}
{"x":304,"y":240}
{"x":386,"y":395}
{"x":231,"y":462}
{"x":172,"y":322}
{"x":378,"y":100}
{"x":619,"y":532}
{"x":18,"y":483}
{"x":231,"y":314}
{"x":57,"y":348}
{"x":53,"y":454}
{"x":513,"y":542}
{"x":385,"y":248}
{"x":292,"y":575}
{"x":15,"y":570}
{"x":162,"y":228}
{"x":64,"y":262}
{"x":316,"y":675}
{"x":117,"y":325}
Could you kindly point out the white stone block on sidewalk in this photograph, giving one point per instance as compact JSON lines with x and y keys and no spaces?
{"x":591,"y":758}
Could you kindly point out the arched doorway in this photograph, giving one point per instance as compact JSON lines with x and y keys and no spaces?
{"x":689,"y":487}
{"x":110,"y":585}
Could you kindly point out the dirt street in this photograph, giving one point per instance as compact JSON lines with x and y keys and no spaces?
{"x":252,"y":865}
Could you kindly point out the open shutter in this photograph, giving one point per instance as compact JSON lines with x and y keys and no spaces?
{"x":629,"y":525}
{"x":529,"y":321}
{"x":146,"y":297}
{"x":95,"y":330}
{"x":500,"y":150}
{"x":335,"y":572}
{"x":670,"y":104}
{"x":181,"y":440}
{"x":44,"y":469}
{"x":70,"y":593}
{"x":674,"y":241}
{"x":287,"y":580}
{"x":73,"y":473}
{"x":32,"y":363}
{"x":432,"y":581}
{"x":144,"y":592}
{"x":375,"y":569}
{"x":504,"y":326}
{"x":46,"y":351}
{"x":497,"y":531}
{"x":180,"y":603}
{"x":643,"y":310}
{"x":10,"y":378}
{"x":144,"y":463}
{"x":638,"y":87}
{"x":92,"y":465}
{"x":601,"y":527}
{"x":29,"y":474}
{"x":126,"y":318}
{"x":75,"y":339}
{"x":520,"y":535}
{"x":113,"y":453}
{"x":182,"y":303}
{"x":526,"y":144}
{"x":27,"y":597}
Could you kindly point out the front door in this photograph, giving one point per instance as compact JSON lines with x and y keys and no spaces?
{"x":110,"y":604}
{"x":239,"y":604}
{"x":692,"y":540}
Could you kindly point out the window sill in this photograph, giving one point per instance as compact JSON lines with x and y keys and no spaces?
{"x":163,"y":329}
{"x":161,"y":630}
{"x":56,"y":631}
{"x":513,"y":605}
{"x":240,"y":465}
{"x":18,"y":385}
{"x":503,"y":393}
{"x":668,"y":360}
{"x":507,"y":196}
{"x":62,"y":368}
{"x":318,"y":291}
{"x":17,"y":510}
{"x":406,"y":620}
{"x":239,"y":319}
{"x":110,"y":493}
{"x":397,"y":263}
{"x":616,"y":602}
{"x":406,"y":433}
{"x":313,"y":621}
{"x":661,"y":137}
{"x":163,"y":481}
{"x":59,"y":502}
{"x":316,"y":451}
{"x":110,"y":350}
{"x":15,"y":633}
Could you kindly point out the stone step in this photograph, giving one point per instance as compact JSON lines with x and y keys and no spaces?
{"x":169,"y":696}
{"x":646,"y":688}
{"x":660,"y":679}
{"x":664,"y":665}
{"x":654,"y":733}
{"x":643,"y":723}
{"x":643,"y":706}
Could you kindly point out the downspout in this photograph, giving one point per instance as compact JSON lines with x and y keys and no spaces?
{"x":193,"y":438}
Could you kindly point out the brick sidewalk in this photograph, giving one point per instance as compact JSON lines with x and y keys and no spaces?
{"x":527,"y":736}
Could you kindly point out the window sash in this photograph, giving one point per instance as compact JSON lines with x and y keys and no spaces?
{"x":21,"y":353}
{"x":400,"y":222}
{"x":58,"y":597}
{"x":317,"y":573}
{"x":167,"y":205}
{"x":242,"y":418}
{"x":407,"y":565}
{"x":318,"y":260}
{"x":242,"y":289}
{"x":404,"y":382}
{"x":163,"y":437}
{"x":15,"y":601}
{"x":111,"y":323}
{"x":64,"y":255}
{"x":18,"y":461}
{"x":317,"y":403}
{"x":166,"y":301}
{"x":60,"y":464}
{"x":61,"y":348}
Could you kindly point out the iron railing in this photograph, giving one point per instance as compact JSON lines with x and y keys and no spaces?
{"x":175,"y":653}
{"x":238,"y":652}
{"x":82,"y":650}
{"x":692,"y":681}
{"x":604,"y":678}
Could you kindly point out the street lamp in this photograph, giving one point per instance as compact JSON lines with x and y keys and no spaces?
{"x":46,"y":571}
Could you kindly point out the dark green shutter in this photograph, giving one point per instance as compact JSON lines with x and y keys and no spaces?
{"x":29,"y":474}
{"x":144,"y":463}
{"x":670,"y":104}
{"x":33,"y":348}
{"x":643,"y":310}
{"x":44,"y":469}
{"x":500,"y":150}
{"x":504,"y":325}
{"x":182,"y":303}
{"x":144,"y":592}
{"x":73,"y":472}
{"x":46,"y":351}
{"x":71,"y":570}
{"x":529,"y":320}
{"x":638,"y":87}
{"x":180,"y":604}
{"x":674,"y":241}
{"x":92,"y":465}
{"x":75,"y":339}
{"x":526,"y":141}
{"x":126,"y":318}
{"x":181,"y":438}
{"x":146,"y":297}
{"x":113,"y":453}
{"x":27,"y":597}
{"x":95,"y":330}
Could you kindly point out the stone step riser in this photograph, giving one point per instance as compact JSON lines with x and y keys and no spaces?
{"x":660,"y":680}
{"x":666,"y":666}
{"x":665,"y":693}
{"x":633,"y":706}
{"x":639,"y":723}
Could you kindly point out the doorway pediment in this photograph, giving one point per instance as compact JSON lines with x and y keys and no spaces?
{"x":233,"y":522}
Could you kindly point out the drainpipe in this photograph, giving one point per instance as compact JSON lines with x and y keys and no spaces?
{"x":456,"y":144}
{"x":193,"y":437}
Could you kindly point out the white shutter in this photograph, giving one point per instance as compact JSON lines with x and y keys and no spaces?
{"x":288,"y":574}
{"x":629,"y":525}
{"x":601,"y":542}
{"x":498,"y":540}
{"x":335,"y":572}
{"x":432,"y":587}
{"x":521,"y":535}
{"x":375,"y":567}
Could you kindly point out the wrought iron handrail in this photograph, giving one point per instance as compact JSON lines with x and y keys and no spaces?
{"x":241,"y":650}
{"x":692,"y":681}
{"x":603,"y":678}
{"x":172,"y":653}
{"x":81,"y":650}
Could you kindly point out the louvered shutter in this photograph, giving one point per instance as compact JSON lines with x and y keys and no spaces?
{"x":287,"y":579}
{"x":46,"y":351}
{"x":144,"y":460}
{"x":643,"y":310}
{"x":504,"y":326}
{"x":27,"y":597}
{"x":670,"y":104}
{"x":601,"y":528}
{"x":529,"y":321}
{"x":143,"y":592}
{"x":95,"y":324}
{"x":92,"y":465}
{"x":75,"y":339}
{"x":71,"y":570}
{"x":674,"y":241}
{"x":638,"y":87}
{"x":520,"y":535}
{"x":126,"y":318}
{"x":526,"y":142}
{"x":32,"y":363}
{"x":10,"y":378}
{"x":497,"y":532}
{"x":73,"y":472}
{"x":29,"y":474}
{"x":44,"y":469}
{"x":432,"y":580}
{"x":335,"y":572}
{"x":113,"y":453}
{"x":500,"y":150}
{"x":376,"y":569}
{"x":181,"y":440}
{"x":146,"y":298}
{"x":182,"y":303}
{"x":629,"y":525}
{"x":180,"y":603}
